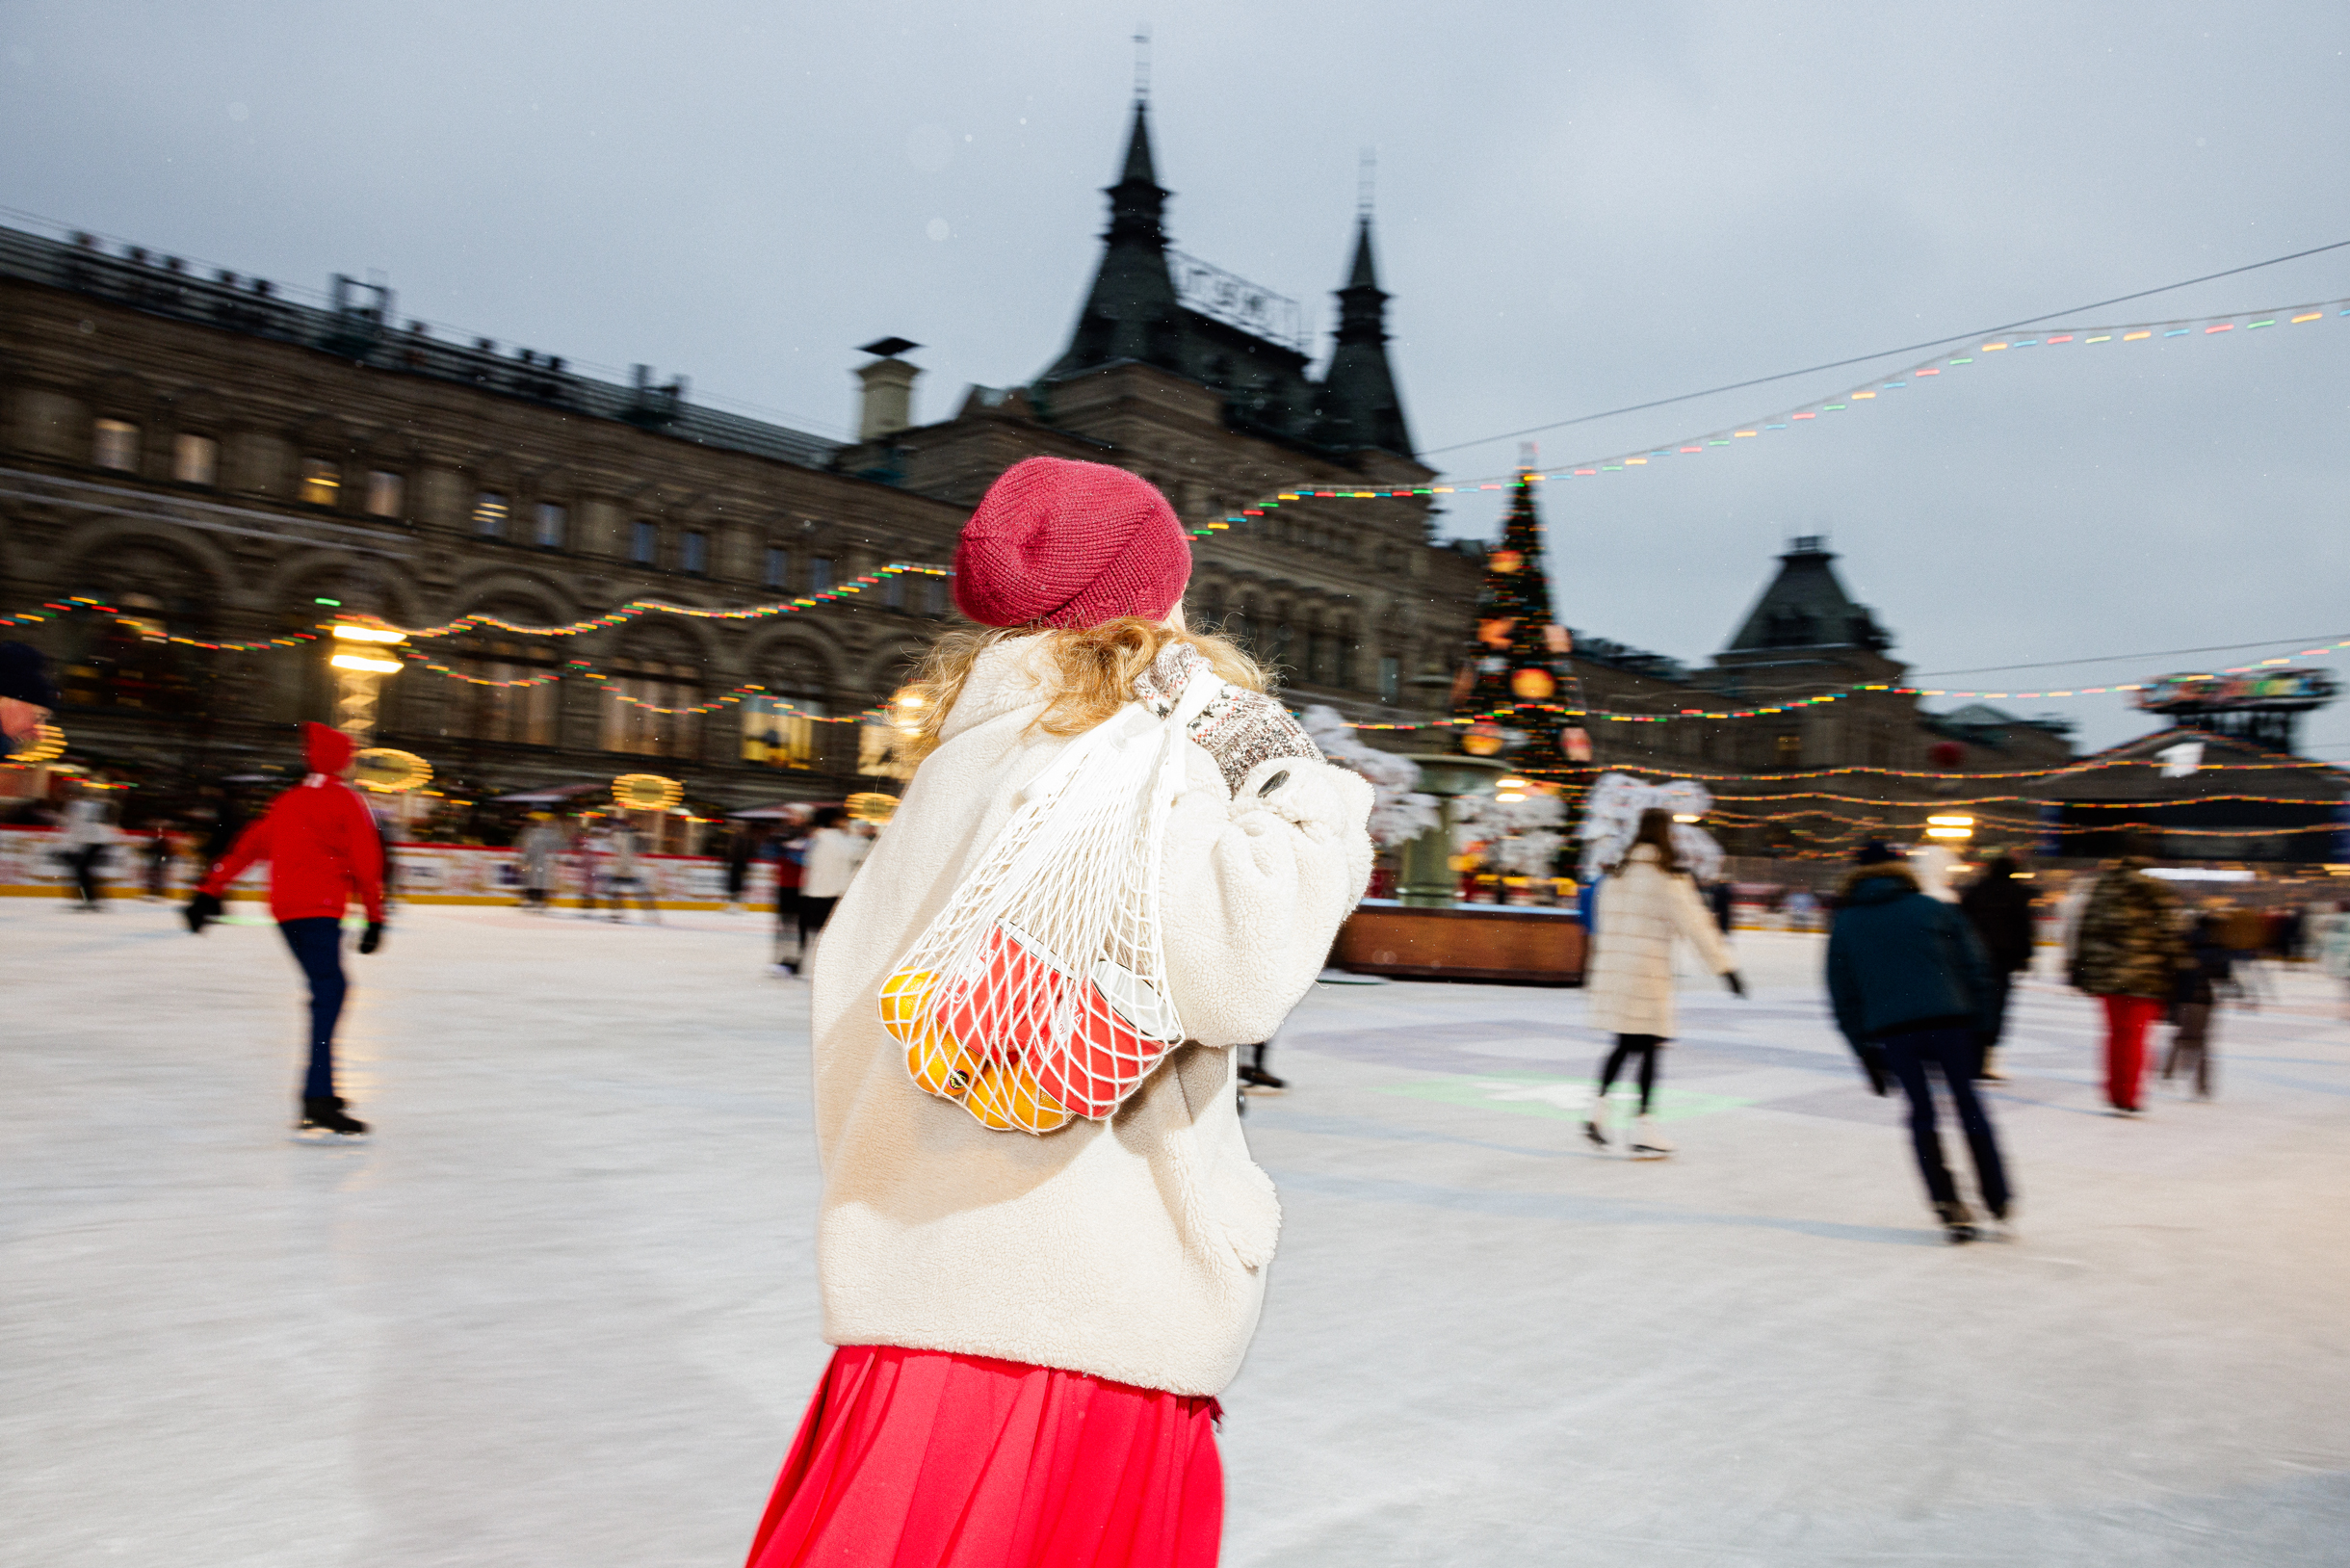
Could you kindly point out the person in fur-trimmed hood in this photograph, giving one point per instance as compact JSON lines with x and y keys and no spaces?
{"x":1031,"y":1330}
{"x":1912,"y":994}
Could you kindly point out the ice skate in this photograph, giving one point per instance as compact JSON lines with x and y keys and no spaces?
{"x":1647,"y":1143}
{"x":1594,"y":1126}
{"x":324,"y":1121}
{"x":1957,"y":1221}
{"x":1991,"y":1071}
{"x":1257,"y":1081}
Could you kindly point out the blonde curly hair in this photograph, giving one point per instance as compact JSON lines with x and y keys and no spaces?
{"x":1094,"y":669}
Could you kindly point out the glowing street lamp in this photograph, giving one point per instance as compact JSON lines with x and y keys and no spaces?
{"x":360,"y":663}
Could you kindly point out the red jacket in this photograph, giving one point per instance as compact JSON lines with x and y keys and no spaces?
{"x":319,"y":839}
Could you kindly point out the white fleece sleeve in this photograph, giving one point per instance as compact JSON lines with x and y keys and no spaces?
{"x":1255,"y":885}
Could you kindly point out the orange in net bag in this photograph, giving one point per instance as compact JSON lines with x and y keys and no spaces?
{"x":1039,"y":992}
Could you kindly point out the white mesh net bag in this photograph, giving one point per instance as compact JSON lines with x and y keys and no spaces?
{"x":1039,"y":993}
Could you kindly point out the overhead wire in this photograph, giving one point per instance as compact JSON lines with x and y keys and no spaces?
{"x":1882,"y":354}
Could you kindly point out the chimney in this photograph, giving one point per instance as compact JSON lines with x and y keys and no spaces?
{"x":886,"y":405}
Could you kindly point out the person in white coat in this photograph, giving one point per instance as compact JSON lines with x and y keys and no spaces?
{"x":1031,"y":1328}
{"x":1644,"y":903}
{"x":87,"y":835}
{"x":832,"y":855}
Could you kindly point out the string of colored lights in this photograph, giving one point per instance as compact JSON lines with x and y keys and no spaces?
{"x":1792,"y":705}
{"x":68,"y":605}
{"x":581,"y":669}
{"x":1866,"y":824}
{"x":645,"y":607}
{"x":2014,"y":800}
{"x":1924,"y":372}
{"x":2089,"y":766}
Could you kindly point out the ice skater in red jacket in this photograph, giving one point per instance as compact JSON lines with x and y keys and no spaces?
{"x":322,"y":846}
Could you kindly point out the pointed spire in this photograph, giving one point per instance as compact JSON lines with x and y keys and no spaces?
{"x":1365,"y":275}
{"x":1131,"y":312}
{"x":1360,"y":407}
{"x":1138,"y":167}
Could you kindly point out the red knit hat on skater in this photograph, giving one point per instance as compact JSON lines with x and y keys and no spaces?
{"x":1070,"y":544}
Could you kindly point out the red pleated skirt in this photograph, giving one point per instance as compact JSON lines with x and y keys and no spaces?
{"x":924,"y":1459}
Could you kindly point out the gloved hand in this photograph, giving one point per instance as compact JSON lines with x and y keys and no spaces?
{"x":202,"y":910}
{"x":373,"y":937}
{"x":1732,"y":979}
{"x":1241,"y":729}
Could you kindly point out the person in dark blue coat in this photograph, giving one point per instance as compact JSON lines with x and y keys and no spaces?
{"x":1913,"y":992}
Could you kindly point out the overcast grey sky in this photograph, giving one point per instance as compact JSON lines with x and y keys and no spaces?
{"x":1580,"y":207}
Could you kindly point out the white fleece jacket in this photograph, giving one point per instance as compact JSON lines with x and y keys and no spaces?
{"x":1134,"y":1250}
{"x":1629,"y":987}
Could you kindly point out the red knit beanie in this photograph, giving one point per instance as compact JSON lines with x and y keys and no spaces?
{"x":1072,"y":544}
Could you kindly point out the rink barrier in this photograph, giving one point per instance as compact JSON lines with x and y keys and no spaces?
{"x":31,"y":867}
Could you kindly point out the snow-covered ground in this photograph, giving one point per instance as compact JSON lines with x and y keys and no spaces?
{"x":560,"y":1312}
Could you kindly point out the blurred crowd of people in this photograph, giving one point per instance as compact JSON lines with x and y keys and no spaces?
{"x":1920,"y":966}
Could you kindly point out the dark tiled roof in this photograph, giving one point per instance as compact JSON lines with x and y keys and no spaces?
{"x":1806,"y":607}
{"x":359,"y":332}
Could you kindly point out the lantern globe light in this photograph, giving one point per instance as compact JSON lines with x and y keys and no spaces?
{"x":1952,"y":821}
{"x":346,"y":632}
{"x":389,"y":771}
{"x":1687,"y":817}
{"x":872,"y":806}
{"x":48,"y":745}
{"x":647,"y":791}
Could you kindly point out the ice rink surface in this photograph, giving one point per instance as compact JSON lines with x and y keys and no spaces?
{"x":560,"y":1312}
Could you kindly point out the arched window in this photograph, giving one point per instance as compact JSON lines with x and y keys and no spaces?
{"x":1212,"y":609}
{"x":1246,"y":629}
{"x":507,"y":693}
{"x":129,"y":663}
{"x":651,"y":683}
{"x":1280,"y":644}
{"x":781,"y":727}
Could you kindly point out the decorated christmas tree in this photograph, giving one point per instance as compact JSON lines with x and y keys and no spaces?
{"x":1517,"y":687}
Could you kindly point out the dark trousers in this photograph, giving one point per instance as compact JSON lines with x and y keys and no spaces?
{"x":2191,"y":1046}
{"x":317,"y":942}
{"x":786,"y":919}
{"x":1628,"y":1046}
{"x":1954,"y":1053}
{"x":813,"y":913}
{"x":2001,"y":981}
{"x":84,"y":862}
